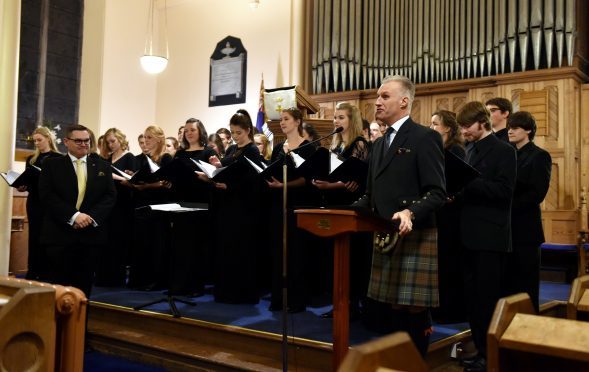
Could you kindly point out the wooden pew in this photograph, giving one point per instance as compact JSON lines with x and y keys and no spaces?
{"x":27,"y":324}
{"x":393,"y":352}
{"x":519,"y":340}
{"x":53,"y":329}
{"x":578,"y":303}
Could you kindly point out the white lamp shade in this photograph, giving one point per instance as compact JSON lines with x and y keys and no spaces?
{"x":153,"y":64}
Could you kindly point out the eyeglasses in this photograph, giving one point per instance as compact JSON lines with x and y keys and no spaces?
{"x":492,"y":110}
{"x":79,"y":142}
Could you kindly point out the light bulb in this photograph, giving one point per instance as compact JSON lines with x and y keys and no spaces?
{"x":153,"y":64}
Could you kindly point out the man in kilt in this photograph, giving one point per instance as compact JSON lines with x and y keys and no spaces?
{"x":406,"y":184}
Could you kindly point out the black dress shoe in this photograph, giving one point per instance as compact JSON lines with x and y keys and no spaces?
{"x":275,"y":307}
{"x":327,"y":315}
{"x":296,"y":309}
{"x":465,"y":361}
{"x":478,"y":365}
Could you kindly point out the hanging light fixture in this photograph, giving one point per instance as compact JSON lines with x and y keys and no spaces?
{"x":254,"y":4}
{"x":153,"y":63}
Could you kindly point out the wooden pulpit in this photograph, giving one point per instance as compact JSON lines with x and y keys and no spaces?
{"x":340,"y":223}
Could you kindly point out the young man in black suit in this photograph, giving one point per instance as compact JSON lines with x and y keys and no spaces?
{"x":406,"y":184}
{"x":534,"y":166}
{"x":485,"y":221}
{"x":78,"y":193}
{"x":500,"y":109}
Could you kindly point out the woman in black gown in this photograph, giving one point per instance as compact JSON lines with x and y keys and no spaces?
{"x":111,"y":269}
{"x":44,"y":148}
{"x":349,"y":143}
{"x":192,"y":258}
{"x":149,"y":268}
{"x":452,"y":303}
{"x":236,"y":216}
{"x":299,"y":193}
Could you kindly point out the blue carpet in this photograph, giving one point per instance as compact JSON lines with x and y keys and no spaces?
{"x":306,"y":325}
{"x":98,"y":362}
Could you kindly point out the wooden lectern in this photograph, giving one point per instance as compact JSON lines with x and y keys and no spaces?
{"x":340,"y":223}
{"x":307,"y":106}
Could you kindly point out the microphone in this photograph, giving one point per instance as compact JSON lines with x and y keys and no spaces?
{"x":337,"y":130}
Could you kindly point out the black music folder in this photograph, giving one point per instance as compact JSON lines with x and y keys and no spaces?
{"x":15,"y":179}
{"x":351,"y":169}
{"x":315,"y":166}
{"x":458,"y":173}
{"x":231,"y":173}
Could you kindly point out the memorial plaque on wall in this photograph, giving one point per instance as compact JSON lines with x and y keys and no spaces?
{"x":228,"y":73}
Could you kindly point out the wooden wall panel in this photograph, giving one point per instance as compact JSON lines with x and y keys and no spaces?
{"x":558,"y":99}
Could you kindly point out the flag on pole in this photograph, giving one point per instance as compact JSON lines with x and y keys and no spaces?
{"x":261,"y":118}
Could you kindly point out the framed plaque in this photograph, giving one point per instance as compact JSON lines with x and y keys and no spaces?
{"x":228,"y":70}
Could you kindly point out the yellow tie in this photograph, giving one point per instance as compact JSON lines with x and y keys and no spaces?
{"x":80,"y":175}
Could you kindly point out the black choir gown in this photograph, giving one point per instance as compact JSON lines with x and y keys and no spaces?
{"x":299,"y":241}
{"x":360,"y":243}
{"x":236,"y":215}
{"x":37,"y":260}
{"x":113,"y":260}
{"x":452,"y":307}
{"x":191,"y":252}
{"x":149,"y":262}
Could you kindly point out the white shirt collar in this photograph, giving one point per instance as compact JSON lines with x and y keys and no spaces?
{"x":73,"y":158}
{"x":397,"y":125}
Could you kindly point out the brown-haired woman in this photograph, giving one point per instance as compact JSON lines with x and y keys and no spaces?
{"x":291,"y":124}
{"x":45,"y":148}
{"x":236,"y":206}
{"x":452,"y":304}
{"x":216,"y":143}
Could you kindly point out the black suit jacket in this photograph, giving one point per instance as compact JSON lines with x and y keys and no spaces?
{"x":58,"y":188}
{"x":409,"y":176}
{"x":533,"y":179}
{"x":486,"y":211}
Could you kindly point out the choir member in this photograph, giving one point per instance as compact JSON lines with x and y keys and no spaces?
{"x":263,"y":145}
{"x":236,"y":217}
{"x":452,"y":303}
{"x":172,"y":145}
{"x":350,"y":142}
{"x":225,"y":135}
{"x":44,"y":148}
{"x":111,"y":269}
{"x":291,"y":124}
{"x":216,"y":143}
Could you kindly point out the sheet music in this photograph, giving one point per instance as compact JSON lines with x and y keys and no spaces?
{"x":121,"y":173}
{"x":209,"y":169}
{"x":334,"y":162}
{"x":254,"y":165}
{"x":152,"y":165}
{"x":298,"y":160}
{"x":10,"y":176}
{"x":173,"y":207}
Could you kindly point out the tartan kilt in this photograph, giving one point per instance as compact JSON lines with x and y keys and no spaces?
{"x":409,"y":274}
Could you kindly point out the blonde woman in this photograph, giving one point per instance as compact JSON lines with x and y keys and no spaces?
{"x":147,"y":271}
{"x":110,"y":271}
{"x":44,"y":148}
{"x":263,"y":144}
{"x":350,"y":142}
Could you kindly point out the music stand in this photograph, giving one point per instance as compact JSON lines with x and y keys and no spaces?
{"x":340,"y":223}
{"x":171,"y":214}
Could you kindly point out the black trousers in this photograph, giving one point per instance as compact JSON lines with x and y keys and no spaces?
{"x":72,"y":265}
{"x":483,"y":282}
{"x":523,"y":272}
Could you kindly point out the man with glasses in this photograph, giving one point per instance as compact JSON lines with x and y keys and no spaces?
{"x":500,"y":109}
{"x":78,"y":194}
{"x":485,"y":222}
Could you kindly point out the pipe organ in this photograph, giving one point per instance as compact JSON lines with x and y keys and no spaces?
{"x":355,"y":43}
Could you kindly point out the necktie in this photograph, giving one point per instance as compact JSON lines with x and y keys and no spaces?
{"x":387,"y":137}
{"x":81,"y":176}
